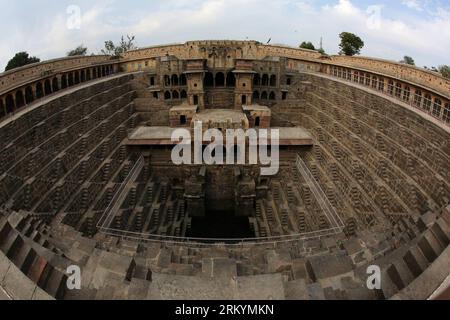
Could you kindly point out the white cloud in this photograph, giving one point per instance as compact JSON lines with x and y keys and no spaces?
{"x":413,"y":4}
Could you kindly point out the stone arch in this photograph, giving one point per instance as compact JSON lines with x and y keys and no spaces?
{"x":406,"y":94}
{"x":55,"y":86}
{"x":273,"y":80}
{"x":183,"y":80}
{"x":264,"y":95}
{"x":220,"y":79}
{"x":29,"y":97}
{"x":77,"y":77}
{"x":209,"y":80}
{"x":374,"y":82}
{"x":167,"y":95}
{"x":175,"y":95}
{"x":427,"y":102}
{"x":39,"y":90}
{"x":167,"y":81}
{"x":183,"y":94}
{"x":381,"y":84}
{"x":398,"y":89}
{"x":418,"y":98}
{"x":272,"y":96}
{"x":174,"y":80}
{"x":10,"y":106}
{"x":265,"y":80}
{"x":47,"y":87}
{"x":231,"y":79}
{"x":63,"y":81}
{"x":437,"y":107}
{"x":257,"y":80}
{"x":391,"y":87}
{"x":20,"y":99}
{"x":256,"y":95}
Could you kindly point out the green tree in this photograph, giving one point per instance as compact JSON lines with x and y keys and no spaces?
{"x":78,"y":51}
{"x":350,"y":44}
{"x":408,"y":60}
{"x":21,"y":59}
{"x":307,"y":45}
{"x":118,"y":50}
{"x":445,"y":71}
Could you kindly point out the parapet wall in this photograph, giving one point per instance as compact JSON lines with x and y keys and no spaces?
{"x":20,"y":76}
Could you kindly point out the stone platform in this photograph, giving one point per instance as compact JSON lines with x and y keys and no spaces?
{"x":154,"y":136}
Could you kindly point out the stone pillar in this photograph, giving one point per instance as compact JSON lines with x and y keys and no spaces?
{"x":59,"y":80}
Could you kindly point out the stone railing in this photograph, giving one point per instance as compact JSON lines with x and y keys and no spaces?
{"x":429,"y":79}
{"x":20,"y":76}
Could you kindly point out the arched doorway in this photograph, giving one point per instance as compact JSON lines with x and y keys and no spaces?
{"x":174,"y":80}
{"x":55,"y":84}
{"x":273,"y":81}
{"x":20,"y":100}
{"x":39,"y":90}
{"x":77,"y":77}
{"x":9,"y":104}
{"x":220,"y":79}
{"x":183,"y":94}
{"x":63,"y":81}
{"x":264,"y":95}
{"x":47,"y":87}
{"x":265,"y":80}
{"x":272,"y":96}
{"x":257,"y":80}
{"x":71,"y":79}
{"x":167,"y":81}
{"x":195,"y":99}
{"x":256,"y":95}
{"x":29,"y":95}
{"x":167,"y":95}
{"x":183,"y":80}
{"x":175,"y":95}
{"x":244,"y":99}
{"x":209,"y":80}
{"x":231,"y":80}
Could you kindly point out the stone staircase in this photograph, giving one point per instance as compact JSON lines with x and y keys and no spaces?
{"x":220,"y":99}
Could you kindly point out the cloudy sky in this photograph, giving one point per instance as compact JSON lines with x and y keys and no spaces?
{"x":390,"y":28}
